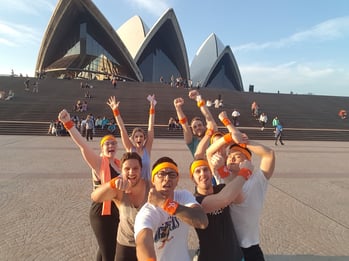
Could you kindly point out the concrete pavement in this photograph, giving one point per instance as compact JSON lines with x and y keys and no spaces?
{"x":45,"y":188}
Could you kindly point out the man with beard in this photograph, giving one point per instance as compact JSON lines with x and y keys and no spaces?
{"x":162,"y":225}
{"x":193,"y":133}
{"x":129,"y":193}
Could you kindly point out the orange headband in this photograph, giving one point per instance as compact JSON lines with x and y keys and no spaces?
{"x":197,"y":163}
{"x":242,"y":150}
{"x":163,"y":165}
{"x":107,"y":137}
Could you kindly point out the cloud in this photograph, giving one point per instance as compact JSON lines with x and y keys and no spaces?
{"x":16,"y":34}
{"x":27,"y":6}
{"x":328,"y":30}
{"x":155,"y":7}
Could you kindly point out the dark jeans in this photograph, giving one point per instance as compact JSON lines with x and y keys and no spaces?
{"x":89,"y":134}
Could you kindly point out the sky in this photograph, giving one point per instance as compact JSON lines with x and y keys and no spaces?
{"x":298,"y":46}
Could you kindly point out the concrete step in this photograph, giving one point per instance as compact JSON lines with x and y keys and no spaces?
{"x":161,"y":131}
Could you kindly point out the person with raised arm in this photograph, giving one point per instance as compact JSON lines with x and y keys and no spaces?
{"x":139,"y":141}
{"x":104,"y":216}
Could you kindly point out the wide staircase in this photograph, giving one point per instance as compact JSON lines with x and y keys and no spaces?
{"x":304,"y":117}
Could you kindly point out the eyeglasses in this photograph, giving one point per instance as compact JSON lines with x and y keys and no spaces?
{"x":169,"y":174}
{"x":107,"y":143}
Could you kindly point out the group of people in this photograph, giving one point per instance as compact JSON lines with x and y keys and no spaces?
{"x":137,"y":211}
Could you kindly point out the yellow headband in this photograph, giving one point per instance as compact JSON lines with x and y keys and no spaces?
{"x":242,"y":150}
{"x":163,"y":165}
{"x":107,"y":137}
{"x":197,"y":163}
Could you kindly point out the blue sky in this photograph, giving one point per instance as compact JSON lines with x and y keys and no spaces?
{"x":279,"y":45}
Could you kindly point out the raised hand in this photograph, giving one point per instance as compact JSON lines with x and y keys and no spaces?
{"x":178,"y":102}
{"x":156,"y":198}
{"x":193,"y":94}
{"x":64,"y":116}
{"x":113,"y":102}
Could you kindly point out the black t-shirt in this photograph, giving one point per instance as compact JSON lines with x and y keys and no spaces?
{"x":218,"y":241}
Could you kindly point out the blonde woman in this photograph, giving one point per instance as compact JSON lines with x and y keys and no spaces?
{"x":104,"y":217}
{"x":139,"y":141}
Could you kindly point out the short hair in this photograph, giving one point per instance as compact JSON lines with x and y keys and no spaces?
{"x":164,"y":159}
{"x":131,"y":155}
{"x":196,"y":119}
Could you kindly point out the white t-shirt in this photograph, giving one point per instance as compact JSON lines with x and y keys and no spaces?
{"x":170,"y":233}
{"x":246,"y":215}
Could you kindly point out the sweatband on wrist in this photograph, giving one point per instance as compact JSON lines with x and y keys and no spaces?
{"x":209,"y":132}
{"x":68,"y":125}
{"x":151,"y":111}
{"x":228,"y":138}
{"x":170,"y":206}
{"x":112,"y":182}
{"x":183,"y":120}
{"x":245,"y":172}
{"x":116,"y":112}
{"x":151,"y":259}
{"x":226,"y":122}
{"x":200,"y":103}
{"x":223,"y":172}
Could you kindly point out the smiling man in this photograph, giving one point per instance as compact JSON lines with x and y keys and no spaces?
{"x":129,"y":193}
{"x":162,"y":225}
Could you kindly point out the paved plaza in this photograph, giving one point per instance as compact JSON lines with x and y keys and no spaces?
{"x":45,"y":188}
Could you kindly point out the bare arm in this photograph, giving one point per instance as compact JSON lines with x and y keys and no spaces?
{"x":89,"y":155}
{"x":187,"y":133}
{"x":145,"y":245}
{"x":107,"y":192}
{"x":195,"y":95}
{"x":150,"y":135}
{"x":114,"y":105}
{"x":225,"y":197}
{"x":267,"y":155}
{"x":200,"y":152}
{"x":193,"y":215}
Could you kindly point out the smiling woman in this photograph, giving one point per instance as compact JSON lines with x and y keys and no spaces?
{"x":139,"y":141}
{"x":104,"y":216}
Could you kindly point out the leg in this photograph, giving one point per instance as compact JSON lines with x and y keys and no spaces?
{"x":253,"y":253}
{"x":105,"y":229}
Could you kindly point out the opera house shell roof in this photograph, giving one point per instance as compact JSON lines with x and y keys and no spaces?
{"x":80,"y":43}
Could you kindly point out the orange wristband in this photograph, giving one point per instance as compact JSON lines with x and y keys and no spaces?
{"x":183,"y":120}
{"x":201,"y":103}
{"x":151,"y":111}
{"x":243,"y":145}
{"x":245,"y":172}
{"x":112,"y":182}
{"x":223,"y":172}
{"x":209,"y":132}
{"x":116,"y":112}
{"x":226,"y":122}
{"x":68,"y":125}
{"x":151,"y":259}
{"x":228,"y":138}
{"x":170,"y":206}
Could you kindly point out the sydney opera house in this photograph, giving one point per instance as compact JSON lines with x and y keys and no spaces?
{"x":80,"y":43}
